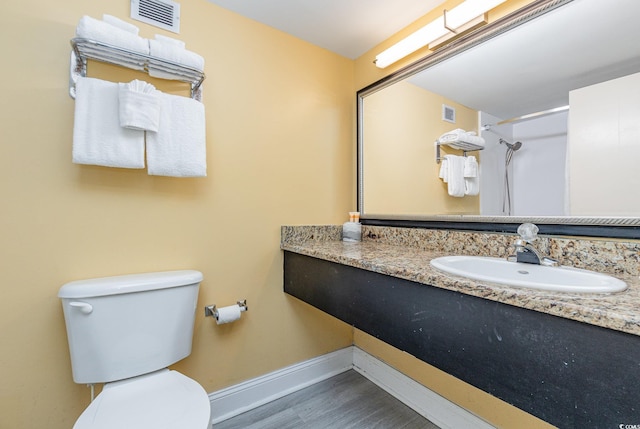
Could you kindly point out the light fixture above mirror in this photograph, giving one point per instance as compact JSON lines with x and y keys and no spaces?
{"x":457,"y":21}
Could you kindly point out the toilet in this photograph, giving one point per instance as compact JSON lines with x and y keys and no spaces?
{"x":124,"y":331}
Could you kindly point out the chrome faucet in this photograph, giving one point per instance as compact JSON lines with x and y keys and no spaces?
{"x":525,"y":252}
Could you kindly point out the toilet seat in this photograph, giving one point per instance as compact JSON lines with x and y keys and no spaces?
{"x":161,"y":400}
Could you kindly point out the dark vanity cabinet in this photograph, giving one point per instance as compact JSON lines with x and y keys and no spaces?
{"x":568,"y":373}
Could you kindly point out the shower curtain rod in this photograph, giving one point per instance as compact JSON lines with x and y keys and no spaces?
{"x":487,"y":127}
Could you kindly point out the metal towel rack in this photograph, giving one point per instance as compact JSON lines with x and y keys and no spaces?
{"x":86,"y":49}
{"x":463,"y":146}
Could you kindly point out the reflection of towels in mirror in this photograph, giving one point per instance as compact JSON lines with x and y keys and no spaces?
{"x":461,"y":139}
{"x":444,"y":170}
{"x":455,"y":175}
{"x":470,"y":166}
{"x":471,"y":176}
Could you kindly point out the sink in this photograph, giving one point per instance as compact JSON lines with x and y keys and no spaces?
{"x":558,"y":279}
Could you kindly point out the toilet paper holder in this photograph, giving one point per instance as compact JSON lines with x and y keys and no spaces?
{"x":212,"y":311}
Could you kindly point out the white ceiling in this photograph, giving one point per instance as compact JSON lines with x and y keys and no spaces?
{"x":534,"y":67}
{"x":347,"y":27}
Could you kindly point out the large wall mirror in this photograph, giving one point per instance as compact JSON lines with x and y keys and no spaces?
{"x":554,"y":92}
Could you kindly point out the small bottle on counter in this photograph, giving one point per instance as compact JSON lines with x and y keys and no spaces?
{"x":352,"y":230}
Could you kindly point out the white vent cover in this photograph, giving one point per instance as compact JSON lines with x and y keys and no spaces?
{"x":161,"y":13}
{"x":448,"y":114}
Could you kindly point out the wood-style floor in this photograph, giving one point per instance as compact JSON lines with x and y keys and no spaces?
{"x":346,"y":401}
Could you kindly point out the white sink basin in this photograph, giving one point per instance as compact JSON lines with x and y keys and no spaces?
{"x":559,"y":279}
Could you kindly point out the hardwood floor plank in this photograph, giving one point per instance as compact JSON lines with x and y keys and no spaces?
{"x":346,"y":401}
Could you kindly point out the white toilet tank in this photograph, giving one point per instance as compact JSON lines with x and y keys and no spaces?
{"x":125,"y":326}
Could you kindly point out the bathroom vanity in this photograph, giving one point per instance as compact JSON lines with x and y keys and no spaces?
{"x":572,"y":360}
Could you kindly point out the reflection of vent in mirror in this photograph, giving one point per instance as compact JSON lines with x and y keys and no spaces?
{"x":448,"y":114}
{"x":161,"y":13}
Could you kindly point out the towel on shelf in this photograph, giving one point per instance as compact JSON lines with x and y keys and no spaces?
{"x":463,"y":140}
{"x":139,"y":106}
{"x":174,"y":53}
{"x":455,"y":176}
{"x":123,"y":25}
{"x":98,"y":138}
{"x":101,"y":31}
{"x":178,"y":149}
{"x":171,"y":40}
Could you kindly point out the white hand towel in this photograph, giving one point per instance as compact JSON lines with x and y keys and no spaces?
{"x":123,"y":25}
{"x":98,"y":138}
{"x":100,"y":31}
{"x":471,"y":186}
{"x":179,"y":147}
{"x":444,"y":170}
{"x":139,"y":106}
{"x":174,"y":53}
{"x":470,"y":167}
{"x":455,"y":179}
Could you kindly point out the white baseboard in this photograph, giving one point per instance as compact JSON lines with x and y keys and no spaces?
{"x":234,"y":400}
{"x":422,"y":400}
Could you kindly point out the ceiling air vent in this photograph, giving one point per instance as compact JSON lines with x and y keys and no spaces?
{"x":161,"y":13}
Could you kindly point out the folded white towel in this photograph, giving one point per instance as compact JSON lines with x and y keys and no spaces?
{"x":98,"y":138}
{"x":444,"y":170}
{"x":471,"y":186}
{"x":461,"y":139}
{"x":470,"y":166}
{"x":139,"y":106}
{"x":100,"y":31}
{"x":455,"y":176}
{"x":179,"y":147}
{"x":171,"y":40}
{"x":174,"y":53}
{"x":123,"y":25}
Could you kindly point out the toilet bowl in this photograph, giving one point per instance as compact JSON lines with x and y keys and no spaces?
{"x":124,"y":331}
{"x":161,"y":400}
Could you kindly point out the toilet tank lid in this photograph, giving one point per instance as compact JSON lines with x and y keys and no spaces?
{"x":129,"y":283}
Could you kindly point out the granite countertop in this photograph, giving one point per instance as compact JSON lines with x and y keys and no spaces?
{"x":619,"y":311}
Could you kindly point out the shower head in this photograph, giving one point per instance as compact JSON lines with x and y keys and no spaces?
{"x":513,"y":146}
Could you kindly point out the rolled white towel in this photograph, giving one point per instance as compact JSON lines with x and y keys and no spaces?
{"x":100,"y":31}
{"x":139,"y":106}
{"x":123,"y":25}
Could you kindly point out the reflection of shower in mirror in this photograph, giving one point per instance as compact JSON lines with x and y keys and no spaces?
{"x":506,"y":198}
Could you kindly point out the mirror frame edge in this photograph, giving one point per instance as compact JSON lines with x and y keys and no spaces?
{"x":600,"y":227}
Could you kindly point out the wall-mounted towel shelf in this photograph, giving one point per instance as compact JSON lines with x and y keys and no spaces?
{"x":86,"y":49}
{"x":460,"y":145}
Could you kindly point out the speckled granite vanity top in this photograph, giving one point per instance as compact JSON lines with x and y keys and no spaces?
{"x":406,"y":253}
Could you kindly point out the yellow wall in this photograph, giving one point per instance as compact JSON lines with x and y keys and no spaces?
{"x":400,"y":170}
{"x":279,"y":117}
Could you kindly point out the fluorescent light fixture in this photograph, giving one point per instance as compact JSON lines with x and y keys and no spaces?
{"x":461,"y":18}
